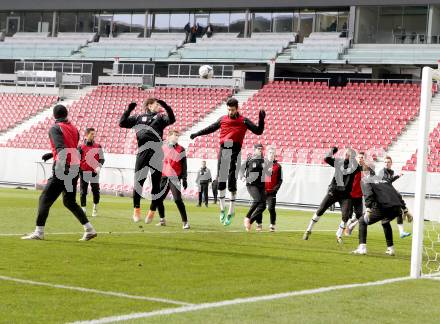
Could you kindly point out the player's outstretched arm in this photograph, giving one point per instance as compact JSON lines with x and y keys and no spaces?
{"x":184,"y":175}
{"x":208,"y":130}
{"x":329,"y":158}
{"x":126,"y":120}
{"x":257,"y":130}
{"x":170,"y":118}
{"x":279,"y":180}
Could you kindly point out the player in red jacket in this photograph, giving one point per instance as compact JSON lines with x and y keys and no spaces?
{"x":356,"y":198}
{"x":92,"y":159}
{"x":174,"y":171}
{"x":64,"y":139}
{"x":272,"y":184}
{"x":233,"y":128}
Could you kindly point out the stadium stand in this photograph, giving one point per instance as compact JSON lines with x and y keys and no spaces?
{"x":304,"y":119}
{"x":15,"y":108}
{"x":103,"y":107}
{"x":133,"y":47}
{"x":40,"y":46}
{"x":321,"y":46}
{"x":393,"y":54}
{"x":230,"y":47}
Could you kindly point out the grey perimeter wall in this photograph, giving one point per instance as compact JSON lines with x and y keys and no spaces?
{"x":192,"y":4}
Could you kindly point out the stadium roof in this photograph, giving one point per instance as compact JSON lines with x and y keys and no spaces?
{"x":192,"y":4}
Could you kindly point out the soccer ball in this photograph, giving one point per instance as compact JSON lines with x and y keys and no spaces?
{"x":206,"y":72}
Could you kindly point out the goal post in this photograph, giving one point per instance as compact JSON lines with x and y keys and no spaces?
{"x":428,"y":75}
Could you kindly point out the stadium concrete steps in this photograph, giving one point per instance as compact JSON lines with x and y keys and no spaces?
{"x":242,"y":96}
{"x":69,"y":97}
{"x":406,"y":144}
{"x":286,"y":55}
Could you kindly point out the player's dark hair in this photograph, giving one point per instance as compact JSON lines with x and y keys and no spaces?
{"x":149,"y":101}
{"x":389,"y":158}
{"x":232,"y":102}
{"x":90,"y":129}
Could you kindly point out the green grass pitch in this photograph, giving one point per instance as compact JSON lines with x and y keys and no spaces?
{"x":209,"y":263}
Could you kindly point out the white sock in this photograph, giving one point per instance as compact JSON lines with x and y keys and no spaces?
{"x":95,"y":206}
{"x":221,"y":199}
{"x":314,"y":220}
{"x":232,"y":203}
{"x":39,"y":229}
{"x":88,"y":227}
{"x":400,"y":227}
{"x":363,"y":246}
{"x":391,"y":248}
{"x":340,"y":229}
{"x":84,"y":209}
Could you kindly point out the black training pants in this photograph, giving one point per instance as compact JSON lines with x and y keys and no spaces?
{"x":173,"y":184}
{"x":271,"y":199}
{"x":330,"y":199}
{"x":84,"y":186}
{"x":258,"y":205}
{"x":227,"y":170}
{"x":53,"y":189}
{"x":386,"y":215}
{"x":357,"y":207}
{"x":149,"y":160}
{"x":203,"y":191}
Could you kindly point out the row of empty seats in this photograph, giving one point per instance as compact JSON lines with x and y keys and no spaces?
{"x":103,"y":108}
{"x":372,"y":120}
{"x":15,"y":108}
{"x":260,"y":46}
{"x":25,"y":45}
{"x":227,"y":46}
{"x":321,"y":46}
{"x":433,"y":164}
{"x":156,"y":46}
{"x":393,"y":53}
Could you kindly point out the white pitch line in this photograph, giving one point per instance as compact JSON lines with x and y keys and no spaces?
{"x":95,"y":291}
{"x":154,"y":232}
{"x":432,"y":278}
{"x":197,"y":307}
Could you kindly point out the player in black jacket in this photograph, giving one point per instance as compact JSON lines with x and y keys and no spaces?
{"x":388,"y":175}
{"x":339,"y":189}
{"x":383,"y":203}
{"x":149,"y":128}
{"x":254,"y":170}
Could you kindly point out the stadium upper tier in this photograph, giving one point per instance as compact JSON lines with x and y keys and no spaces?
{"x":41,"y":46}
{"x":305,"y":119}
{"x":264,"y":46}
{"x":321,"y":46}
{"x":15,"y":108}
{"x":103,"y":108}
{"x":324,"y":47}
{"x":393,"y":54}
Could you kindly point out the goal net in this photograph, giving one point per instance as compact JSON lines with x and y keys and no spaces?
{"x":425,"y":254}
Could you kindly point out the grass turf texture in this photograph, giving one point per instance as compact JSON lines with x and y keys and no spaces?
{"x":207,"y":264}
